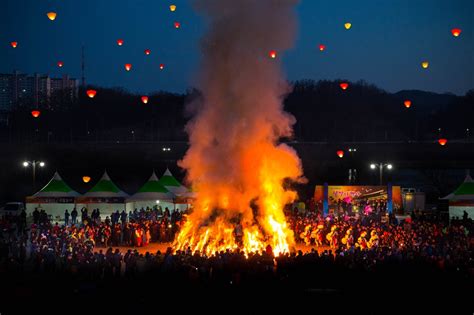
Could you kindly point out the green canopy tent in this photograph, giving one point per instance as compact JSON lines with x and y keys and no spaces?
{"x":462,"y":199}
{"x":105,"y":196}
{"x":181,"y":194}
{"x":151,"y":194}
{"x":55,"y":197}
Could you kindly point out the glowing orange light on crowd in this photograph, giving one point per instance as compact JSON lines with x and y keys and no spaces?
{"x":14,"y":44}
{"x":120,"y":42}
{"x":162,"y":66}
{"x":425,"y":64}
{"x":86,"y":179}
{"x":144,"y":99}
{"x":407,"y":103}
{"x":147,"y":51}
{"x":35,"y":113}
{"x":51,"y":15}
{"x":128,"y":66}
{"x":322,"y":47}
{"x":344,"y":85}
{"x":91,"y":93}
{"x":177,"y":25}
{"x":60,"y":64}
{"x":442,"y":141}
{"x":172,"y":8}
{"x":456,"y":32}
{"x":272,"y":54}
{"x":340,"y":153}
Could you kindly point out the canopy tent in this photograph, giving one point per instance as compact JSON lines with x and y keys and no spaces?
{"x":54,"y":198}
{"x":462,"y":199}
{"x":105,"y":196}
{"x":180,"y":192}
{"x":151,"y":194}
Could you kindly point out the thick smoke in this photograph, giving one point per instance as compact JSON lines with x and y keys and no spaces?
{"x":234,"y":158}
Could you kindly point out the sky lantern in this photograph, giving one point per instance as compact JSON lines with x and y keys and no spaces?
{"x":91,"y":93}
{"x":120,"y":42}
{"x":344,"y":85}
{"x":340,"y":153}
{"x":51,"y":15}
{"x":14,"y":44}
{"x":128,"y":66}
{"x":86,"y":179}
{"x":147,"y":52}
{"x":60,"y":64}
{"x":442,"y":141}
{"x":272,"y":54}
{"x":172,"y":8}
{"x":456,"y":32}
{"x":425,"y":64}
{"x":407,"y":103}
{"x":162,"y":66}
{"x":35,"y":113}
{"x":177,"y":25}
{"x":347,"y":25}
{"x":144,"y":99}
{"x":322,"y":47}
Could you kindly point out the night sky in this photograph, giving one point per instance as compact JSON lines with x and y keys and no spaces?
{"x":385,"y":46}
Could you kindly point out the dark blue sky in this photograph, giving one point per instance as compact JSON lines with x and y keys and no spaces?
{"x":385,"y":46}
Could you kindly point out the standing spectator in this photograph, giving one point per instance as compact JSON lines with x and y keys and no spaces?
{"x":74,"y":216}
{"x":66,"y":217}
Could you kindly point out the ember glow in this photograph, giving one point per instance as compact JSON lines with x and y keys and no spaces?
{"x":235,"y":162}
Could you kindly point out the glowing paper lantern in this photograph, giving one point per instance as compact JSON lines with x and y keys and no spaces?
{"x":177,"y":25}
{"x":272,"y":54}
{"x":51,"y":15}
{"x":147,"y":51}
{"x":407,"y":103}
{"x":86,"y":179}
{"x":14,"y":44}
{"x":91,"y":93}
{"x":442,"y":141}
{"x":322,"y":47}
{"x":340,"y":153}
{"x":120,"y":42}
{"x":60,"y":64}
{"x":456,"y":32}
{"x":35,"y":113}
{"x":425,"y":64}
{"x":162,"y":66}
{"x":344,"y":85}
{"x":144,"y":99}
{"x":348,"y":25}
{"x":172,"y":8}
{"x":128,"y":66}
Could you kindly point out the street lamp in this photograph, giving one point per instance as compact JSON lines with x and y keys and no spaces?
{"x":381,"y":166}
{"x":33,"y":164}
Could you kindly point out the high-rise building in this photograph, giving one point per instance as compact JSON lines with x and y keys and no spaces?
{"x":21,"y":90}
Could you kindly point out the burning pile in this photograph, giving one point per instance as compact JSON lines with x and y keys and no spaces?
{"x":235,"y":161}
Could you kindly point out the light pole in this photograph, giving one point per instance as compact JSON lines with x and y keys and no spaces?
{"x":33,"y":165}
{"x":381,"y":166}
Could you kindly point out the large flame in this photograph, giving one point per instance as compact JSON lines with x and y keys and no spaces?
{"x":235,"y":162}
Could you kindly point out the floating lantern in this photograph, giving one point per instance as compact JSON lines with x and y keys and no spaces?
{"x":51,"y":15}
{"x":442,"y":141}
{"x":456,"y":32}
{"x":91,"y":93}
{"x":177,"y":25}
{"x":86,"y":179}
{"x":322,"y":47}
{"x":35,"y":113}
{"x":14,"y":44}
{"x":272,"y":54}
{"x":144,"y":99}
{"x":340,"y":153}
{"x":128,"y":66}
{"x":60,"y":64}
{"x":172,"y":8}
{"x":162,"y":66}
{"x":407,"y":103}
{"x":120,"y":42}
{"x":147,"y":52}
{"x":348,"y":25}
{"x":425,"y":64}
{"x":344,"y":85}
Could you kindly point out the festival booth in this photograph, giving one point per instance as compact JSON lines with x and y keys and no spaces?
{"x":462,"y":199}
{"x":54,"y":198}
{"x":105,"y":196}
{"x":182,"y":196}
{"x":151,"y":194}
